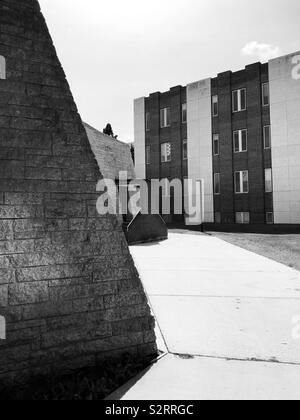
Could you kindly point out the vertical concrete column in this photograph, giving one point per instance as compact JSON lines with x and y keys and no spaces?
{"x":140,"y":138}
{"x":152,"y":105}
{"x":176,"y":164}
{"x":199,"y":130}
{"x":255,"y":144}
{"x":284,"y":76}
{"x":226,"y":146}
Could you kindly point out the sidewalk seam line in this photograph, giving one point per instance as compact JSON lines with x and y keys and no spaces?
{"x":229,"y":297}
{"x":232,"y":359}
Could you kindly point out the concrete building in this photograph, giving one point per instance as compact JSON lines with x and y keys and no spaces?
{"x":239,"y":132}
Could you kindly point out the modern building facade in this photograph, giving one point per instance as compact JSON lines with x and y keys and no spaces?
{"x":238,"y":132}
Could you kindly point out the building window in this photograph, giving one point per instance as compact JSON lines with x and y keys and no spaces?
{"x":184,"y":114}
{"x":239,"y":100}
{"x":268,"y":181}
{"x":184,"y":149}
{"x":216,"y":144}
{"x":147,"y":121}
{"x":266,"y":94}
{"x":215,"y":105}
{"x":2,"y":67}
{"x":217,"y":184}
{"x":165,"y":117}
{"x":218,"y":218}
{"x":240,"y":141}
{"x":241,"y":182}
{"x":269,"y":218}
{"x":148,"y":155}
{"x":166,"y":152}
{"x":267,"y":137}
{"x":242,"y":218}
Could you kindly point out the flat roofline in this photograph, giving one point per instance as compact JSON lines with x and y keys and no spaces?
{"x":224,"y":72}
{"x":212,"y":78}
{"x":284,"y":56}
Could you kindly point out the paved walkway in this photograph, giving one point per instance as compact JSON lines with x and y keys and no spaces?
{"x":225,"y":318}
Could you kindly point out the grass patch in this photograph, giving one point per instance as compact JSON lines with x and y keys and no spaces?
{"x":284,"y":249}
{"x":93,"y":383}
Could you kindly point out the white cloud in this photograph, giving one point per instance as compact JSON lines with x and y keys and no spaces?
{"x":264,"y":52}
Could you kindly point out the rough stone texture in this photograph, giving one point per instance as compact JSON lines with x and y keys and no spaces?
{"x":113,"y":156}
{"x":68,"y":286}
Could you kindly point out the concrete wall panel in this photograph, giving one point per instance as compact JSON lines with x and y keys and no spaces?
{"x":285,"y":122}
{"x":200,"y":162}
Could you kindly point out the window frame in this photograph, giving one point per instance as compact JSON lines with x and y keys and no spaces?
{"x":185,"y":142}
{"x":164,"y":113}
{"x":214,"y":142}
{"x":147,"y":121}
{"x":241,"y":182}
{"x":263,"y":94}
{"x":217,"y":175}
{"x":240,"y":134}
{"x":213,"y":105}
{"x":269,"y":182}
{"x":184,"y":112}
{"x":168,"y":160}
{"x":239,"y":100}
{"x":244,"y":221}
{"x":270,"y":137}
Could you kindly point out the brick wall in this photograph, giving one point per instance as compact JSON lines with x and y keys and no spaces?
{"x":256,"y":159}
{"x":68,"y":288}
{"x":175,"y":134}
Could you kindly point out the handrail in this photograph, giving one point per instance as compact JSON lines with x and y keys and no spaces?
{"x":139,"y":212}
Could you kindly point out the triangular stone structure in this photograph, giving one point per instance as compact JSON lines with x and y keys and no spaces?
{"x":69,"y":291}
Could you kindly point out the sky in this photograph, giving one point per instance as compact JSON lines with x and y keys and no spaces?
{"x":114,"y":51}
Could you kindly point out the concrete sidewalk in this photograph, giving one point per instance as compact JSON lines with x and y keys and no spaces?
{"x":230,"y":314}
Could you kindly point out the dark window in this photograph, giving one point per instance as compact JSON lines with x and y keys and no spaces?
{"x":217,"y":184}
{"x":184,"y":149}
{"x":241,"y":182}
{"x":216,"y":144}
{"x":239,"y":100}
{"x":243,"y":99}
{"x":184,"y":114}
{"x":266,"y":94}
{"x":267,"y":137}
{"x":165,"y":117}
{"x":215,"y":105}
{"x":240,"y":141}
